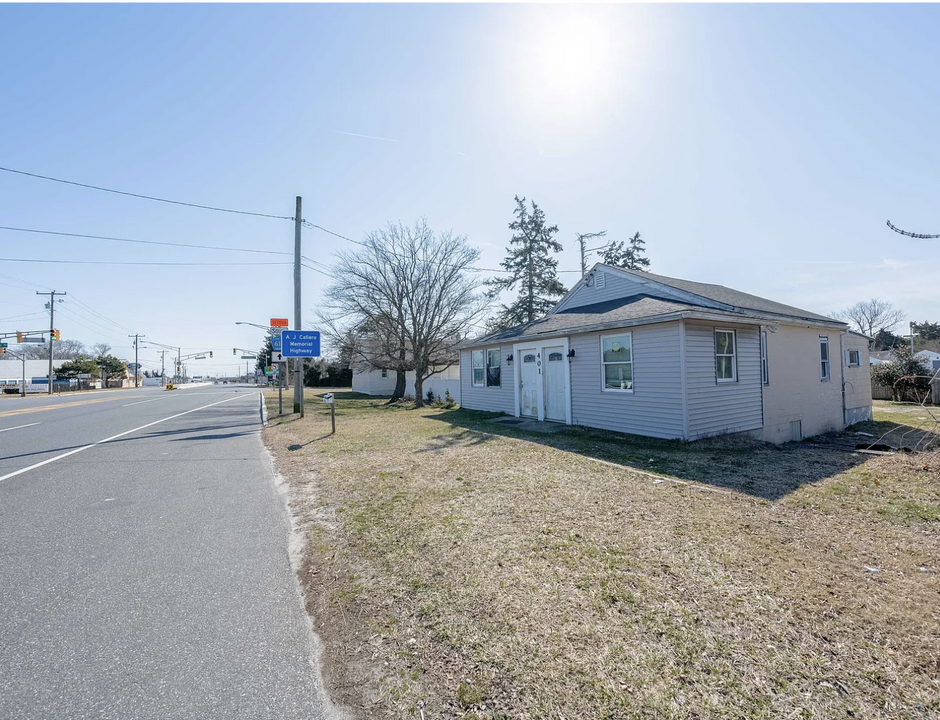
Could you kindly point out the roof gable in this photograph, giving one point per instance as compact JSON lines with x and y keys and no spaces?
{"x":704,"y":295}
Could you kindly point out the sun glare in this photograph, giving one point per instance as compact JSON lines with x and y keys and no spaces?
{"x":570,"y":59}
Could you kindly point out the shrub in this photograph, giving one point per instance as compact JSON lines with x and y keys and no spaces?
{"x":905,"y":375}
{"x":449,"y":401}
{"x":430,"y":395}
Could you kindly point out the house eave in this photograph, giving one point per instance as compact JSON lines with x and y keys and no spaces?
{"x":741,"y":317}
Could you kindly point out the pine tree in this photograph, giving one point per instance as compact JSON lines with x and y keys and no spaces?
{"x":631,"y":256}
{"x":532,"y":267}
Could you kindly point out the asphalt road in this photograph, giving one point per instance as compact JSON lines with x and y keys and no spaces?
{"x":147,"y":576}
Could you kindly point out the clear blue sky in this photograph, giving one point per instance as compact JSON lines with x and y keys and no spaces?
{"x":760,"y":147}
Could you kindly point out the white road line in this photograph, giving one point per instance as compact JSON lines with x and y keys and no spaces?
{"x":141,"y":402}
{"x":19,"y":426}
{"x":115,"y":437}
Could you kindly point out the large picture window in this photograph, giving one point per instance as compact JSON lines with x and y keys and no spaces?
{"x":493,"y":362}
{"x":726,"y":366}
{"x":617,"y":361}
{"x":477,"y":368}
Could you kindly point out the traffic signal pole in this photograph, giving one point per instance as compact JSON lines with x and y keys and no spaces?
{"x":298,"y":362}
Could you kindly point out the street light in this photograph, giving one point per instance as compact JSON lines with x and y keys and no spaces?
{"x":280,"y":379}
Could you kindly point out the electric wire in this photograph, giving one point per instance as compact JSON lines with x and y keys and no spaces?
{"x":144,"y":197}
{"x":114,"y":262}
{"x":919,"y":236}
{"x":145,"y":242}
{"x":312,"y":226}
{"x":90,"y":309}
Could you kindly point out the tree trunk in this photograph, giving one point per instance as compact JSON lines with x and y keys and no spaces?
{"x":399,"y":392}
{"x":419,"y":389}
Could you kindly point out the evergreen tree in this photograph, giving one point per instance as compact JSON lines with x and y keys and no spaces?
{"x":630,"y":255}
{"x":532,"y":267}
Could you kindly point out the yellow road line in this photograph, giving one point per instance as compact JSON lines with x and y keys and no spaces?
{"x":24,"y":411}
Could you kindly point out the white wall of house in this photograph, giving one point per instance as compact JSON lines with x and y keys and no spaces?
{"x":796,"y":393}
{"x":496,"y":398}
{"x":654,"y":406}
{"x":675,"y":399}
{"x":857,"y":379}
{"x":718,"y":406}
{"x":373,"y":383}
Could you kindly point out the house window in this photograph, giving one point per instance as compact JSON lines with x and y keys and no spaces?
{"x":854,"y":358}
{"x":477,"y":368}
{"x":764,"y":369}
{"x":726,"y":366}
{"x":529,"y":358}
{"x":493,"y":361}
{"x":617,"y":362}
{"x":384,"y":373}
{"x":823,"y":357}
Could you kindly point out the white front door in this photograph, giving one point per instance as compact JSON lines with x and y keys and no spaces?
{"x":555,"y":384}
{"x":529,"y":373}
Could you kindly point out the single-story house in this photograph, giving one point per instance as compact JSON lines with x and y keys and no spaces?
{"x":651,"y":355}
{"x":370,"y":381}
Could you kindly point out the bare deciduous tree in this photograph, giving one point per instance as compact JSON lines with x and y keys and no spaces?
{"x":407,"y":297}
{"x":870,"y":316}
{"x":100,"y":348}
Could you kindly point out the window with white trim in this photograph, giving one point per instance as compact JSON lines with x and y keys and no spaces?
{"x":823,"y":358}
{"x":384,"y":372}
{"x":764,"y":368}
{"x":853,"y":358}
{"x":493,"y":363}
{"x":726,"y":361}
{"x":617,"y":362}
{"x":477,"y":368}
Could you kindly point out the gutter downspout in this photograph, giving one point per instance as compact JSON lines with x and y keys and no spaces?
{"x":842,"y":364}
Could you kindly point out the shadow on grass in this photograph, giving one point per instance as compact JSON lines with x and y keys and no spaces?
{"x":732,"y":462}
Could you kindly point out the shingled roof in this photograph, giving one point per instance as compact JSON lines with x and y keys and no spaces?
{"x":728,"y":296}
{"x":589,"y":317}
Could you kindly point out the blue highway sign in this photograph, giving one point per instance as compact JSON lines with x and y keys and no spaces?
{"x":276,"y":343}
{"x":300,"y":343}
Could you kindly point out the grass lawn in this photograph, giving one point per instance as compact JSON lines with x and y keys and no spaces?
{"x":457,"y":567}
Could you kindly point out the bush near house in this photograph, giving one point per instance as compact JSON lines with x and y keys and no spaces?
{"x":908,"y":377}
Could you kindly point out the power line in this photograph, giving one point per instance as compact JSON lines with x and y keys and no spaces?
{"x":310,"y":225}
{"x":143,"y":197}
{"x":144,"y":242}
{"x":910,"y":234}
{"x":98,"y":314}
{"x":109,"y":262}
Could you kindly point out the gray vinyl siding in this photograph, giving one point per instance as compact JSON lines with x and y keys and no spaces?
{"x":715,"y":407}
{"x":616,"y":287}
{"x":495,"y":399}
{"x":655,"y":406}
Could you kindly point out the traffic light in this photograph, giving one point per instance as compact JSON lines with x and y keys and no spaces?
{"x":234,"y":351}
{"x":19,"y":337}
{"x":210,"y":353}
{"x":56,"y":335}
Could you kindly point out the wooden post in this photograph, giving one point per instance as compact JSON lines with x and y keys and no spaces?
{"x":333,"y":414}
{"x":935,"y":390}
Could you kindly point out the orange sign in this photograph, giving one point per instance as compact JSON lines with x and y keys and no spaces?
{"x":280,"y":322}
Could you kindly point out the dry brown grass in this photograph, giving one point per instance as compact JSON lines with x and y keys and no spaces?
{"x":461,"y":569}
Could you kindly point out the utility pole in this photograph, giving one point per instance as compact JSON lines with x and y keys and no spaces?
{"x":136,"y":361}
{"x":912,"y":338}
{"x":582,"y":241}
{"x":51,"y":328}
{"x":298,"y":362}
{"x":163,"y":367}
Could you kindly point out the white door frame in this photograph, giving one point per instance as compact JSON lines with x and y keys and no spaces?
{"x":540,"y":344}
